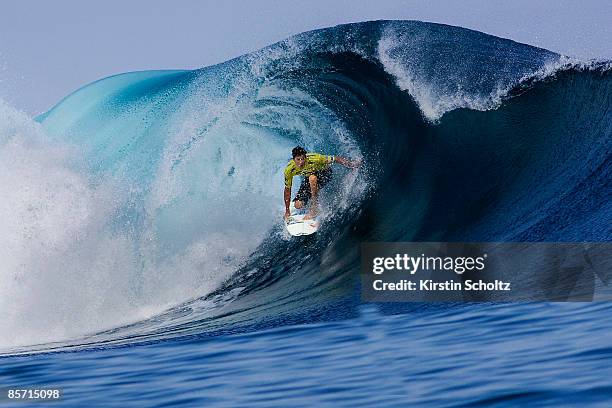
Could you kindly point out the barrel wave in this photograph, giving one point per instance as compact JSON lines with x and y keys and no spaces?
{"x":152,"y":201}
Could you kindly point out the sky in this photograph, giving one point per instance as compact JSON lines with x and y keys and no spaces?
{"x":49,"y":49}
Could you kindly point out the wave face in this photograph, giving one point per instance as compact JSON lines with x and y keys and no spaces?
{"x":148,"y":205}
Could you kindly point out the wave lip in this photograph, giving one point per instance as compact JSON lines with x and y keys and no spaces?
{"x":445,"y":67}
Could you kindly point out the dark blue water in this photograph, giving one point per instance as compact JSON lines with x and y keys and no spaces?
{"x":538,"y":354}
{"x":146,"y":263}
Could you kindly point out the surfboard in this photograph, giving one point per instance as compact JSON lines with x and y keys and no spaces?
{"x":297,"y":226}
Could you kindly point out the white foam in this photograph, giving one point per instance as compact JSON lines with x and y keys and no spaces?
{"x":66,"y":268}
{"x":50,"y":217}
{"x":551,"y":69}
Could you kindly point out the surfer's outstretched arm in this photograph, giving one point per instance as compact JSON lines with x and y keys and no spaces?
{"x":346,"y":162}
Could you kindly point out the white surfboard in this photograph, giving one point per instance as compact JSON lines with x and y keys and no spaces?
{"x":296,"y":225}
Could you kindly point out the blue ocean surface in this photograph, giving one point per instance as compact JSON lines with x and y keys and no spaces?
{"x":535,"y":354}
{"x":145,"y":262}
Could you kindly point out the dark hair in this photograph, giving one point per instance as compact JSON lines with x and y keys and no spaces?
{"x":298,"y":151}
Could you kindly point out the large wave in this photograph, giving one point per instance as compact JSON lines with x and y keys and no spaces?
{"x":148,"y":205}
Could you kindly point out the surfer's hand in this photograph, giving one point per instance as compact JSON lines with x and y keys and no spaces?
{"x":355,"y":164}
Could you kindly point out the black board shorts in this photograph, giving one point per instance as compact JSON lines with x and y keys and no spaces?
{"x":323,"y":177}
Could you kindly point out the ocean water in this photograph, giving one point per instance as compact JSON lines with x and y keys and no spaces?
{"x":536,"y":354}
{"x":143,"y":260}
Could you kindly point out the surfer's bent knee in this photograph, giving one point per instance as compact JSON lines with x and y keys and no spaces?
{"x":298,"y":204}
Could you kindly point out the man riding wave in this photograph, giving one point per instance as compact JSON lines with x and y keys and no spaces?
{"x":317,"y":172}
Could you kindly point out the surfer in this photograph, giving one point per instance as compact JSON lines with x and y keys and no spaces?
{"x":317,"y":172}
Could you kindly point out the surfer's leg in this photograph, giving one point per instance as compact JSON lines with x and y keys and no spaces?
{"x":303,"y":195}
{"x":324,"y":177}
{"x":314,"y":193}
{"x":316,"y":182}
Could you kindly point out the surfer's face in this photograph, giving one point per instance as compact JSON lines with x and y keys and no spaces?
{"x":300,"y":161}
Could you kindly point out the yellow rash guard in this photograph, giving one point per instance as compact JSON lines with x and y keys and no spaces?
{"x":314,"y":162}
